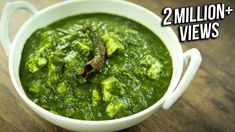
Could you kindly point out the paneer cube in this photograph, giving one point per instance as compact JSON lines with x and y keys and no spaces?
{"x":61,"y":88}
{"x":154,"y":70}
{"x":114,"y":107}
{"x":35,"y":87}
{"x":112,"y":44}
{"x":111,"y":85}
{"x":153,"y":65}
{"x":95,"y":97}
{"x":54,"y":69}
{"x":35,"y":63}
{"x":148,"y":60}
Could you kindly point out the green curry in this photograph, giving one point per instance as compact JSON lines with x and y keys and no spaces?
{"x":95,"y":67}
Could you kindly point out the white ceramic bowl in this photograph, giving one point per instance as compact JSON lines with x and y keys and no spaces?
{"x":178,"y":84}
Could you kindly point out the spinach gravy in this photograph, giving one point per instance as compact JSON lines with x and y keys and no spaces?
{"x":95,"y":67}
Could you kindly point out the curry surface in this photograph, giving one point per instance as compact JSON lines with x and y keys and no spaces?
{"x":135,"y":74}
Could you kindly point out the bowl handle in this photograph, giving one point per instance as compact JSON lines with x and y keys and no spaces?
{"x":192,"y":59}
{"x":9,"y":8}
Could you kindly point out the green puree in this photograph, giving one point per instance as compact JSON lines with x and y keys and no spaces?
{"x":95,"y":67}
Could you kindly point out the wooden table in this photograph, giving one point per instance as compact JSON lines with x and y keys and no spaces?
{"x":207,"y":105}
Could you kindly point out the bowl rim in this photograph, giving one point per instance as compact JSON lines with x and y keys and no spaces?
{"x":43,"y":111}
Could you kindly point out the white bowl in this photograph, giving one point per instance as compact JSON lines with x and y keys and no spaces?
{"x":44,"y":17}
